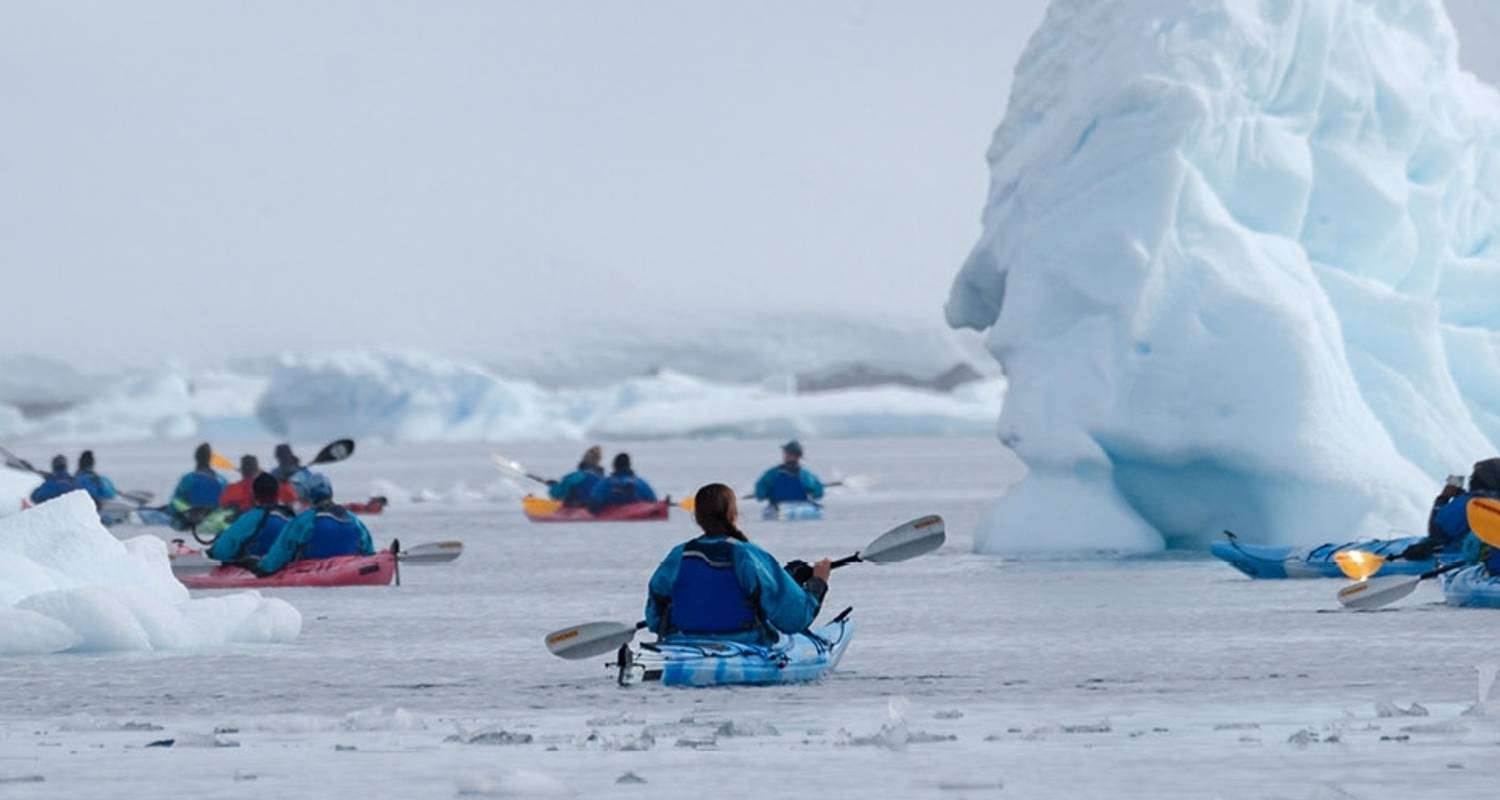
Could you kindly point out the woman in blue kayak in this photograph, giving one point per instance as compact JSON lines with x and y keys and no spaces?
{"x":720,"y":586}
{"x":1448,"y":524}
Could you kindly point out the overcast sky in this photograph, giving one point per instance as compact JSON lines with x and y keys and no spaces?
{"x":206,"y":179}
{"x":203,"y":178}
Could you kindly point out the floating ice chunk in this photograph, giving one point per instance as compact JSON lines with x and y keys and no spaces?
{"x":1238,"y":263}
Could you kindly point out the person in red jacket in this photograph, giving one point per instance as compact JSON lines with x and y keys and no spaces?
{"x":240,"y":495}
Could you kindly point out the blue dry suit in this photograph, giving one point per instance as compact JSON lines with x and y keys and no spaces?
{"x":575,"y":487}
{"x":55,"y":484}
{"x":198,"y":489}
{"x":788,"y":484}
{"x":721,"y":588}
{"x":323,"y":531}
{"x":99,"y":487}
{"x":1448,"y":530}
{"x":619,"y":489}
{"x":251,"y":534}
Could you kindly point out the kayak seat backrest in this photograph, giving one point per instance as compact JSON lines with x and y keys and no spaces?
{"x":707,"y":598}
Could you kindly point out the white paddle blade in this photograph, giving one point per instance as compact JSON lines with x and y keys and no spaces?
{"x":508,"y":465}
{"x":432,"y":553}
{"x":589,"y":640}
{"x":916,"y":538}
{"x":859,"y":483}
{"x":1377,"y":592}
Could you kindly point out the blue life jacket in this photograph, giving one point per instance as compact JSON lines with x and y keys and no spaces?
{"x":1449,"y":523}
{"x":200,"y":489}
{"x":707,"y":598}
{"x":579,"y":487}
{"x":269,"y":527}
{"x":334,"y":533}
{"x":56,"y":484}
{"x":787,"y":487}
{"x":98,"y":486}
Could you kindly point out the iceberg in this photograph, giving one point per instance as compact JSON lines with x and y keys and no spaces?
{"x":1238,"y":262}
{"x":66,"y":584}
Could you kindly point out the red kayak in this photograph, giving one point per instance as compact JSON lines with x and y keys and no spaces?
{"x":374,"y":505}
{"x":539,"y":509}
{"x":376,"y":570}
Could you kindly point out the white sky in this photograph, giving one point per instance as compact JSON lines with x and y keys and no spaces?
{"x":207,"y":179}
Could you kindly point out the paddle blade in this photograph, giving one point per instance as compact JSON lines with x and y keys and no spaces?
{"x":589,"y":640}
{"x":1358,"y":564}
{"x":1377,"y":592}
{"x":508,"y":465}
{"x":334,"y":452}
{"x":221,"y":463}
{"x":432,"y":553}
{"x":138,"y":496}
{"x":916,"y":538}
{"x":1484,"y":520}
{"x":688,"y":504}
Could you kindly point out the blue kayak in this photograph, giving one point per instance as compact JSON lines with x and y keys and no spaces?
{"x":1472,"y":587}
{"x":791,"y":512}
{"x":1284,"y":561}
{"x":708,"y":662}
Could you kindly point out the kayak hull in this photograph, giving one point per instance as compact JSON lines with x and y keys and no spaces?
{"x":1471,"y":587}
{"x":794,"y":659}
{"x":792,"y":512}
{"x":540,"y":510}
{"x":376,"y":570}
{"x":1271,"y":562}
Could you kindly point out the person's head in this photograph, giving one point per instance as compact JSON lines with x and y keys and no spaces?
{"x":317,"y":489}
{"x":622,"y":462}
{"x":203,"y":456}
{"x":1486,"y":476}
{"x":59,"y":464}
{"x":249,"y":467}
{"x":717,"y":512}
{"x":791,"y":452}
{"x":592,"y":457}
{"x":266,"y":488}
{"x":86,"y":461}
{"x":284,"y":455}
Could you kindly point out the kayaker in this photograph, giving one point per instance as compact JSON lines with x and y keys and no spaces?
{"x":55,"y":483}
{"x":240,"y":495}
{"x":289,"y":470}
{"x":323,"y":531}
{"x":257,"y":528}
{"x":720,"y":586}
{"x":99,"y":487}
{"x":789,"y":481}
{"x":1448,"y":524}
{"x":620,"y":488}
{"x":574,"y":488}
{"x":200,"y":488}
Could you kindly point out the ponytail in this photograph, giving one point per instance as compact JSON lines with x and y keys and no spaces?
{"x":716,"y":511}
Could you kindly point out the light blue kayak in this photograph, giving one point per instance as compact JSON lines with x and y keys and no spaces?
{"x":791,"y":512}
{"x":1472,"y":587}
{"x":794,"y":659}
{"x":1271,"y":562}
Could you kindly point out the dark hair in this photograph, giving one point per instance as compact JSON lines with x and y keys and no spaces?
{"x":266,"y":488}
{"x":86,"y":460}
{"x":202,"y":455}
{"x":715,"y":509}
{"x":249,"y":465}
{"x":59,"y":463}
{"x":622,"y":462}
{"x":1486,"y":476}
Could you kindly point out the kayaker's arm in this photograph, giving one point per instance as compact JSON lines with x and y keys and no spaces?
{"x":292,"y":539}
{"x":811,"y":483}
{"x":787,"y":607}
{"x":659,"y":590}
{"x":763,"y":486}
{"x":644,"y":492}
{"x":366,"y":542}
{"x":231,"y":542}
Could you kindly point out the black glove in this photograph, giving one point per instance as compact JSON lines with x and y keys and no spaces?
{"x":551,"y":483}
{"x":1421,"y":550}
{"x":799,"y":570}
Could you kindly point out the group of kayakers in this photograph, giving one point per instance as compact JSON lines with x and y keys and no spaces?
{"x":588,"y":486}
{"x":265,"y":532}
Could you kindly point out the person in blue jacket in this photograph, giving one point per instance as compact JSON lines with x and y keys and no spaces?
{"x":252,"y":533}
{"x":620,"y":488}
{"x":1448,"y":524}
{"x":56,"y":483}
{"x":99,"y":487}
{"x":789,"y":482}
{"x":323,"y":531}
{"x":720,"y":586}
{"x":199,"y":489}
{"x":574,"y":488}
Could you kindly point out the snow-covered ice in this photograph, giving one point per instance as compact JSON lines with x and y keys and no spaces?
{"x":1167,"y":677}
{"x":66,"y":584}
{"x":1238,"y":264}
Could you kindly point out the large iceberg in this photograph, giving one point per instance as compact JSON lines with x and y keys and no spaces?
{"x":66,"y":584}
{"x":1238,"y":262}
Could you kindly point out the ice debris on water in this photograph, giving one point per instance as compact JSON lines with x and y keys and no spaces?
{"x":970,"y":786}
{"x":1386,"y":709}
{"x":622,"y":743}
{"x":494,"y":737}
{"x":629,"y":778}
{"x":611,"y":720}
{"x":1485,"y":674}
{"x":382,"y":719}
{"x":895,"y":733}
{"x":1441,"y":728}
{"x":700,"y":743}
{"x":84,"y":722}
{"x":22,"y":779}
{"x":195,"y":740}
{"x":517,"y":783}
{"x":948,"y":714}
{"x":734,"y":727}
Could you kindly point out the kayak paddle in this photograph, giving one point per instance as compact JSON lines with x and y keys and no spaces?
{"x":515,"y":468}
{"x":901,"y":543}
{"x":432,"y":553}
{"x":20,"y":464}
{"x":220,"y":462}
{"x":1484,"y":521}
{"x":333,"y":452}
{"x":1358,"y":564}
